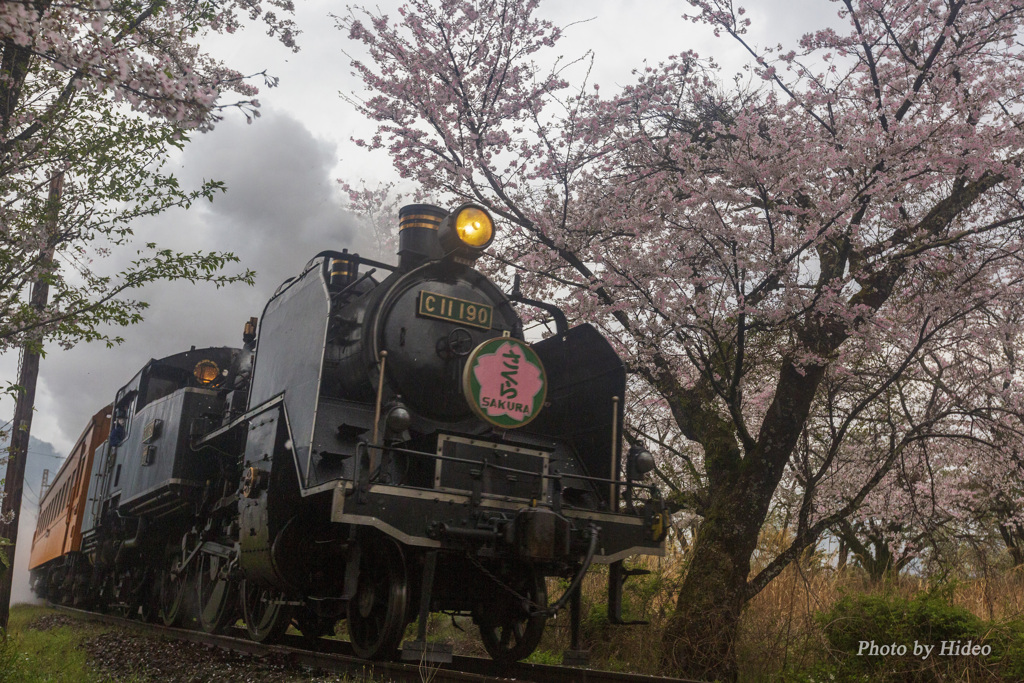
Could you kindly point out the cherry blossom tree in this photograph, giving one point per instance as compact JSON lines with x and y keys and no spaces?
{"x":815,"y":271}
{"x":949,"y":507}
{"x":97,"y":93}
{"x":93,"y":95}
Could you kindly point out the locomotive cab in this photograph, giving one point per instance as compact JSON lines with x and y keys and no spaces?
{"x":151,"y":469}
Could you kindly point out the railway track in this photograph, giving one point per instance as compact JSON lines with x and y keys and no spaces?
{"x":336,"y":657}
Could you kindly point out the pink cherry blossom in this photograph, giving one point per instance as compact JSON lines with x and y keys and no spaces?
{"x":813,"y":276}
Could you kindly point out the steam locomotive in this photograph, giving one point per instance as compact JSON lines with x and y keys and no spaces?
{"x":384,"y":445}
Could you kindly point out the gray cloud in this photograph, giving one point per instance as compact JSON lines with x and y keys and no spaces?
{"x":277,"y":174}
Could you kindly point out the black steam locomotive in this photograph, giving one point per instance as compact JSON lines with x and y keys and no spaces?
{"x":384,"y":446}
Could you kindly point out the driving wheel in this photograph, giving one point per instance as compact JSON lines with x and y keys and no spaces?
{"x":215,"y":591}
{"x":512,"y":628}
{"x":376,"y":613}
{"x":266,"y":617}
{"x":173,"y":589}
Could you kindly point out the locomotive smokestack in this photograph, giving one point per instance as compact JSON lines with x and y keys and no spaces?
{"x":417,"y":234}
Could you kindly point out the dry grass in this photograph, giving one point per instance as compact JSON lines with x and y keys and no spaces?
{"x":779,"y":637}
{"x":996,"y":596}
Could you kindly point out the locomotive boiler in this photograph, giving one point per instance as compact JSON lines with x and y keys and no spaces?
{"x":385,"y":445}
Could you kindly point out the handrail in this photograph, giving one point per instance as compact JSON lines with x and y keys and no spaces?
{"x":502,"y":468}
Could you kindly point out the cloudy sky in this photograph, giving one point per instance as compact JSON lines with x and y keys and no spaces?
{"x":284,"y":204}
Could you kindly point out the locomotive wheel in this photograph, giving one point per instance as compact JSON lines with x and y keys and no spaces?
{"x":215,"y":591}
{"x":173,"y":596}
{"x":266,"y":619}
{"x":149,"y":610}
{"x":80,"y":592}
{"x":122,"y":592}
{"x":508,"y":630}
{"x":376,"y":613}
{"x":147,"y":596}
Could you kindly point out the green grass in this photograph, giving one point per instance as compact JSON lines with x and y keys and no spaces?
{"x":53,"y":656}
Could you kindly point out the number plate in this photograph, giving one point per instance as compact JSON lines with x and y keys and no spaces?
{"x":455,"y":310}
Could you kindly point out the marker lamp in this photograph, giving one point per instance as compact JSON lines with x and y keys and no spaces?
{"x":206,"y":372}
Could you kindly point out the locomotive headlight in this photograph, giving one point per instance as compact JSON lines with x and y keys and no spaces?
{"x":466,"y":231}
{"x":206,"y":372}
{"x":474,"y":227}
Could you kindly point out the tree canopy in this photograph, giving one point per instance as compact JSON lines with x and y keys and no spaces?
{"x":813,"y":274}
{"x":98,"y":92}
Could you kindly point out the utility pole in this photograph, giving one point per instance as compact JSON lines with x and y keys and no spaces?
{"x":21,"y":426}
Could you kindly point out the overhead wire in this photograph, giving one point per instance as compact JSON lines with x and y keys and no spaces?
{"x":51,"y":455}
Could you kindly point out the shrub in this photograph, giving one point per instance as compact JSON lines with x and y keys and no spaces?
{"x":888,"y":637}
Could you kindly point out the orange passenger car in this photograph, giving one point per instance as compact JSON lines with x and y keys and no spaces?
{"x":58,"y":537}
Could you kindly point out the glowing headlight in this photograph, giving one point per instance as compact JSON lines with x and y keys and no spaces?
{"x":466,"y":232}
{"x":206,"y":372}
{"x":474,"y":227}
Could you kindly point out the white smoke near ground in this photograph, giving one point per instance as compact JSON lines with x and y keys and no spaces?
{"x":20,"y":591}
{"x":41,"y":456}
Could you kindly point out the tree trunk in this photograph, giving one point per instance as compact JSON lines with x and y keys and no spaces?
{"x":843,"y":555}
{"x":1011,"y":537}
{"x":700,"y":637}
{"x":22,"y":422}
